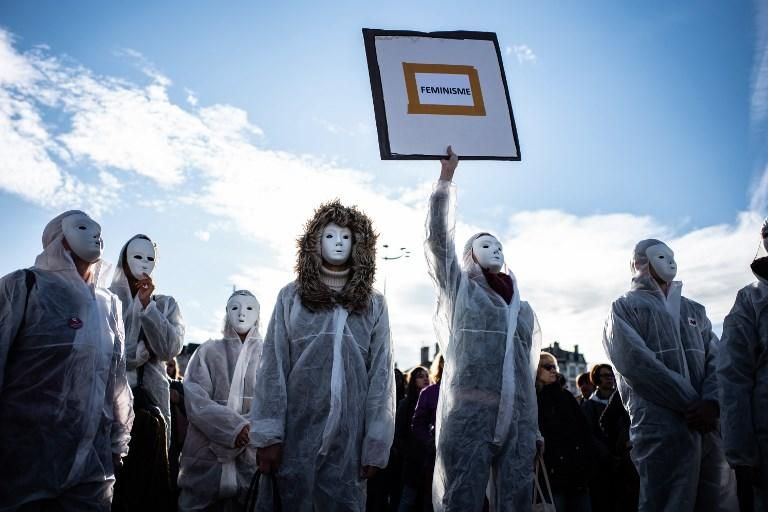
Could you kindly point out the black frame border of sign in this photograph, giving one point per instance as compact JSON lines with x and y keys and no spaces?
{"x":369,"y":38}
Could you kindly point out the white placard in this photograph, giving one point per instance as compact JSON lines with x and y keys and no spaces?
{"x":431,"y":90}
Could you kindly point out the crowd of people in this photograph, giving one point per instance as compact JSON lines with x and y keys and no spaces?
{"x":314,"y":416}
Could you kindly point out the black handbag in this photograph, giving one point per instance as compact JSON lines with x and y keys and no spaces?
{"x":253,"y":493}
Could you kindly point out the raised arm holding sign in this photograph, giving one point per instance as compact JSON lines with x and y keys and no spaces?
{"x":487,"y":423}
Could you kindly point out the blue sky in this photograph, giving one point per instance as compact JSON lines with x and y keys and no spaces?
{"x":217,"y":129}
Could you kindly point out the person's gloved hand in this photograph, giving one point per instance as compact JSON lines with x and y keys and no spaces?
{"x":702,"y":415}
{"x":367,"y":472}
{"x":269,"y":458}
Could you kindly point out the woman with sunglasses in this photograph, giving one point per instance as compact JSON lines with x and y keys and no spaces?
{"x":566,"y":439}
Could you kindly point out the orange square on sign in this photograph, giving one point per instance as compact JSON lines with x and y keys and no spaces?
{"x":416,"y":107}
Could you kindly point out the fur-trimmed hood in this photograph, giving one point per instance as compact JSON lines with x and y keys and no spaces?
{"x":355,"y":295}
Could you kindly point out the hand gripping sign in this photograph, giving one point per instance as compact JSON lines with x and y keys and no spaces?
{"x":430,"y":89}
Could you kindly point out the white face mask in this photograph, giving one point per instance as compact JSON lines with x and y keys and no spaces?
{"x":336,"y":244}
{"x":140,"y":255}
{"x":242,"y":313}
{"x":83,"y":234}
{"x":662,"y":259}
{"x":488,"y":253}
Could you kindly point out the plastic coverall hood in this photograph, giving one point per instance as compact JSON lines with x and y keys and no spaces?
{"x":65,"y":406}
{"x":153,"y":335}
{"x":56,"y":257}
{"x":325,"y":387}
{"x":218,"y":392}
{"x":663,"y":350}
{"x":743,"y":377}
{"x":315,"y":295}
{"x":487,"y":414}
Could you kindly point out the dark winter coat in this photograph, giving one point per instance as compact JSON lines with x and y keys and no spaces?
{"x":567,"y":443}
{"x":143,"y":482}
{"x":603,"y":486}
{"x":592,"y":410}
{"x":409,"y":449}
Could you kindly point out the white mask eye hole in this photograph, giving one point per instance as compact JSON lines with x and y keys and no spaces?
{"x":250,"y":308}
{"x":150,"y":258}
{"x":137,"y":257}
{"x":329,"y":235}
{"x":346,"y":237}
{"x":81,"y":227}
{"x":234,"y":308}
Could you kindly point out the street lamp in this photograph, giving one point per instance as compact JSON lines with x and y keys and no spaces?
{"x":403,"y":253}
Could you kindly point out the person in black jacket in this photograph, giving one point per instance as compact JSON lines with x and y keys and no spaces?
{"x":603,"y":484}
{"x":407,"y":451}
{"x":385,"y":487}
{"x":614,"y":422}
{"x":179,"y":424}
{"x":567,"y":442}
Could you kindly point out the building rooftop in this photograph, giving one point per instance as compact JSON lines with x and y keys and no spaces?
{"x":565,"y":356}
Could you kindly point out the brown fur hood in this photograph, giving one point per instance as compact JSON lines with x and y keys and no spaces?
{"x":355,"y":295}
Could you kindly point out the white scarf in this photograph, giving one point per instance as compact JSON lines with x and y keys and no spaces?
{"x":337,"y":380}
{"x":228,"y":482}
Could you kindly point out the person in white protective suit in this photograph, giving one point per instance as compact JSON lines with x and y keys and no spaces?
{"x":742,"y":375}
{"x":65,"y":404}
{"x":154,"y":327}
{"x":218,"y":461}
{"x":663,"y":349}
{"x":324,"y":396}
{"x":487,"y":424}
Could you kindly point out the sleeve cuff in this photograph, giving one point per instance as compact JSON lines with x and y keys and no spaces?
{"x":152,"y":306}
{"x":266,"y":433}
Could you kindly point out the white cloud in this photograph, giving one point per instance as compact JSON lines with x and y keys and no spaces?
{"x":759,"y":200}
{"x":570,"y":268}
{"x":355,"y":130}
{"x":191,"y":98}
{"x":759,"y":99}
{"x":227,"y":121}
{"x":204,"y":331}
{"x":27,"y":167}
{"x":14,"y":69}
{"x":146,"y":66}
{"x":523,"y":53}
